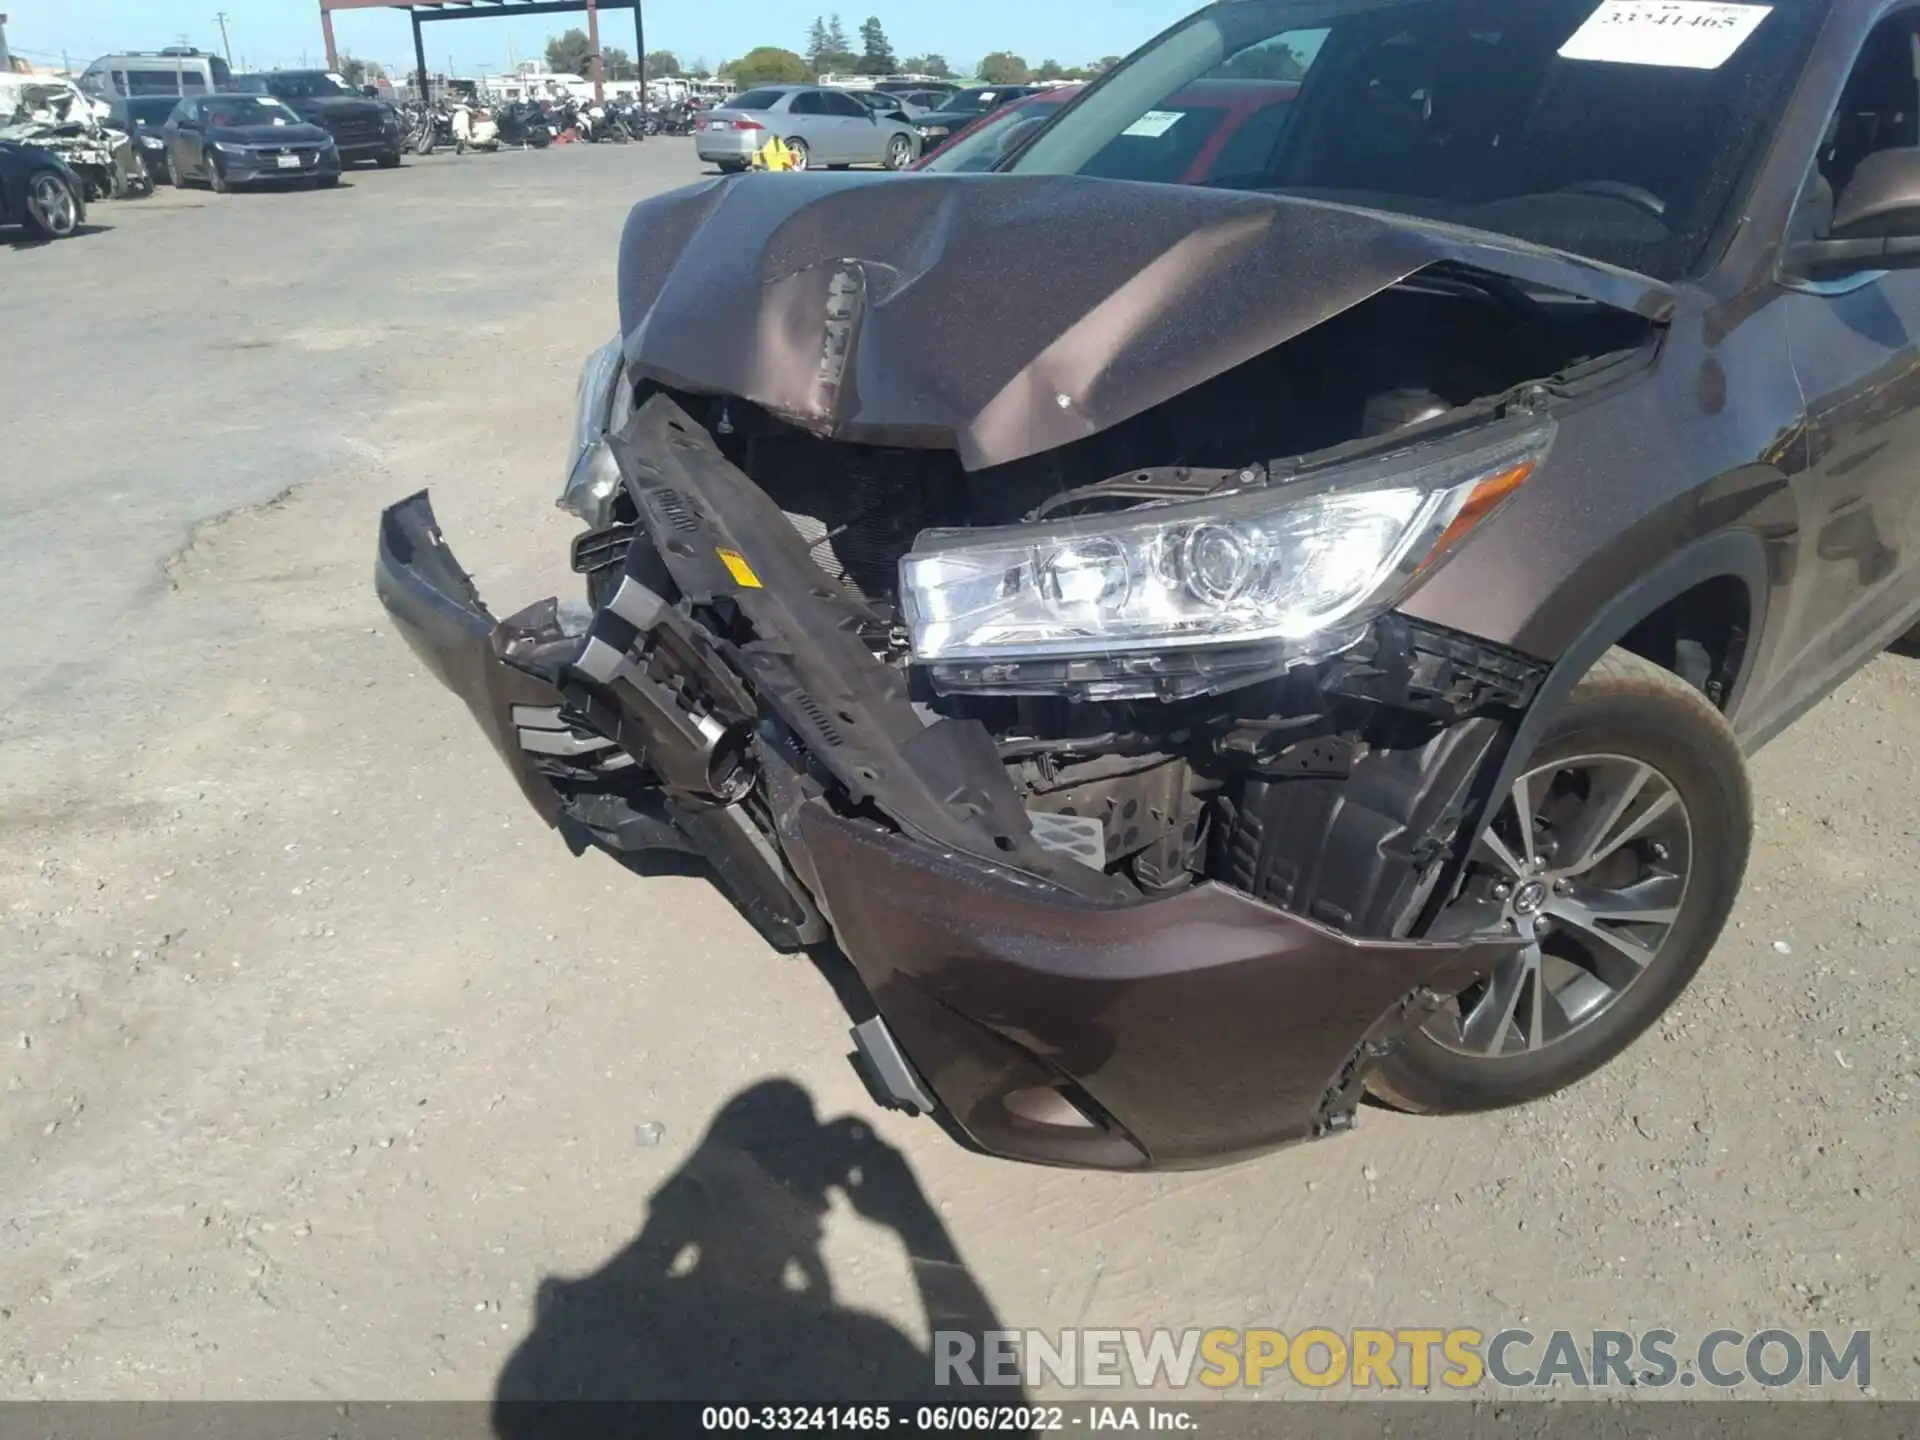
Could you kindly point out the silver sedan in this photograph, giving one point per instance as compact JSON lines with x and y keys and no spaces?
{"x":821,"y":126}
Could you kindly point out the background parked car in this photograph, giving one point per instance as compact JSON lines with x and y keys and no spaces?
{"x":145,"y":119}
{"x":984,"y":143}
{"x":966,"y":106}
{"x":362,"y":129}
{"x":820,"y":126}
{"x":39,"y":192}
{"x":887,"y":105}
{"x":229,"y":140}
{"x":939,"y":89}
{"x":179,"y":70}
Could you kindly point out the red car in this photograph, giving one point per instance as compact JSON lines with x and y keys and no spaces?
{"x":1210,"y":130}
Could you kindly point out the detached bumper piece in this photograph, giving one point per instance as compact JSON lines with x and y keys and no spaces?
{"x":1049,"y":1011}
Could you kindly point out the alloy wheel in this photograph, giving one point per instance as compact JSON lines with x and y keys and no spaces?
{"x":1587,"y":861}
{"x":51,"y":200}
{"x":899,"y":153}
{"x":801,"y":156}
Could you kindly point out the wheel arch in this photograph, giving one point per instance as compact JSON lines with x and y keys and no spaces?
{"x":1728,"y":563}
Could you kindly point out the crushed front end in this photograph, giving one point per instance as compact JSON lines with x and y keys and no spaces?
{"x":1059,"y":672}
{"x":1159,"y":929}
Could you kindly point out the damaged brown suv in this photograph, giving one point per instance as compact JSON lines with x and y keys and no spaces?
{"x":1205,"y":652}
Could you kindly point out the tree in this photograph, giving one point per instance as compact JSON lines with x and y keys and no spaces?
{"x":358,"y":72}
{"x":1004,"y":68}
{"x":616,"y":64}
{"x":570,"y":53}
{"x":936,"y":66}
{"x":827,"y":49}
{"x":877,"y":57}
{"x":1100,"y":67}
{"x":768,"y":65}
{"x":663,"y":65}
{"x":701,"y":70}
{"x":1049,"y":70}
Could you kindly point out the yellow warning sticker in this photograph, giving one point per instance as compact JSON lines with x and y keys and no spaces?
{"x":737,"y":567}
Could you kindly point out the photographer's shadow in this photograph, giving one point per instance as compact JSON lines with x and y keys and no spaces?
{"x":723,"y":1295}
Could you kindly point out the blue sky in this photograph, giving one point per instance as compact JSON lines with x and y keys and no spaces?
{"x":281,"y":32}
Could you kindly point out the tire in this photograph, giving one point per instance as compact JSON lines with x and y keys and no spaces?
{"x":173,"y":172}
{"x":52,"y":210}
{"x":802,"y":156}
{"x":327,"y":182}
{"x":899,"y":153}
{"x":1632,"y":712}
{"x":390,"y":160}
{"x":216,"y":177}
{"x":731,"y":167}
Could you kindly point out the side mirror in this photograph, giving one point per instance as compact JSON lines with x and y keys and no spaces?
{"x":1876,"y":222}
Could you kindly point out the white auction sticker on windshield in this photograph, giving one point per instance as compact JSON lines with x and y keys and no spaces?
{"x":1155,"y":123}
{"x":1684,"y":34}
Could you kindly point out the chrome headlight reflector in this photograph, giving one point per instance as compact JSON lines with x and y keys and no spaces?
{"x":593,"y":478}
{"x":1293,"y":571}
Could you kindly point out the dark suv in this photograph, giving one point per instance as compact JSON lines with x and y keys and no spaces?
{"x":362,"y":129}
{"x":1207,"y":651}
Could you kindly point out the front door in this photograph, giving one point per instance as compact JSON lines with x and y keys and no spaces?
{"x":1855,"y":343}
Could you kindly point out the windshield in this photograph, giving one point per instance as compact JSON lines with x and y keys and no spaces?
{"x":237,"y":112}
{"x":756,"y":100}
{"x":151,"y":112}
{"x":1610,"y":128}
{"x":309,"y":86}
{"x":982,"y":147}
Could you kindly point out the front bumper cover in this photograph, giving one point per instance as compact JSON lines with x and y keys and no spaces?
{"x":1054,"y":1014}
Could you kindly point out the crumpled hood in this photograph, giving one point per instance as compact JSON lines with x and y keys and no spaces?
{"x":1005,"y":315}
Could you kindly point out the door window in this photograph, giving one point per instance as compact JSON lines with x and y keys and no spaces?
{"x":807,"y":103}
{"x":844,"y":105}
{"x":1878,"y":110}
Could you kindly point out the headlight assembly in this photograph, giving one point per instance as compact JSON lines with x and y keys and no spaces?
{"x":602,"y":404}
{"x":229,"y":149}
{"x":1160,"y":599}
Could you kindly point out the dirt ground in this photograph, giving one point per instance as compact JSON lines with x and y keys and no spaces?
{"x":322,"y":1059}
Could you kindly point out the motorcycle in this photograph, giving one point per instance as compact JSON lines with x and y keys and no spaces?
{"x":474,"y":129}
{"x":429,"y":127}
{"x":523,"y":124}
{"x":601,"y":124}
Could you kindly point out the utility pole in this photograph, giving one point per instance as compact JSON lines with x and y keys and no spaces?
{"x":227,"y":49}
{"x":6,"y":56}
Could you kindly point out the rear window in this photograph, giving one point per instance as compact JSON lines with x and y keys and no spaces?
{"x":756,"y":100}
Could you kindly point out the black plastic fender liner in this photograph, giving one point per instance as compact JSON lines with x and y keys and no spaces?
{"x":1737,"y":553}
{"x":723,"y":538}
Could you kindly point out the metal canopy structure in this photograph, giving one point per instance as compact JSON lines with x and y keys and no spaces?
{"x":423,"y":11}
